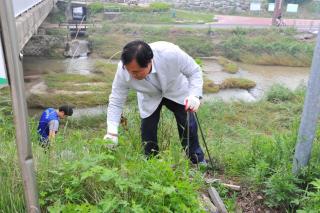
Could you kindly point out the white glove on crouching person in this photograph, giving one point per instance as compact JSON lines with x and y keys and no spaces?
{"x":112,"y":134}
{"x":191,"y":103}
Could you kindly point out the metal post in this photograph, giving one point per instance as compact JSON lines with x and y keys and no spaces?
{"x":310,"y":114}
{"x":15,"y":75}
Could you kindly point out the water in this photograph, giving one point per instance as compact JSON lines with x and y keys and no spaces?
{"x":39,"y":65}
{"x":36,"y":65}
{"x":264,"y":76}
{"x":77,"y":112}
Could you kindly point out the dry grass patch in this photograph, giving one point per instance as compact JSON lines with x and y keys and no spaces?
{"x":210,"y":87}
{"x":240,"y":83}
{"x":228,"y":66}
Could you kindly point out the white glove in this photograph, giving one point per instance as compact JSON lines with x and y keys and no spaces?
{"x":191,"y":103}
{"x":112,"y":134}
{"x":112,"y":139}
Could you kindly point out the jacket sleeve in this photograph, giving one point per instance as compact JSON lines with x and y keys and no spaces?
{"x":192,"y":71}
{"x":117,"y":99}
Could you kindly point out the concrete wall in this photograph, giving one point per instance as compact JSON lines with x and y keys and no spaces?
{"x":28,"y":23}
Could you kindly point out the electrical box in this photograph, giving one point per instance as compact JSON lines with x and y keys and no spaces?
{"x":3,"y":76}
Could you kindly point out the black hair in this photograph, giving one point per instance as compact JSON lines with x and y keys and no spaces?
{"x":138,"y":50}
{"x":68,"y":110}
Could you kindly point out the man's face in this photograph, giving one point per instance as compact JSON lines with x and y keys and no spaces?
{"x":62,"y":115}
{"x":136,"y":71}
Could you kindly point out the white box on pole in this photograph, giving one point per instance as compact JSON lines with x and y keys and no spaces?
{"x":3,"y":76}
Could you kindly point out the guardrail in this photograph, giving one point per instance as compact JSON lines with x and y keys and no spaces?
{"x":21,"y":6}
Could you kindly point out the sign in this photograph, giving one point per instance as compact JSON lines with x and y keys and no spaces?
{"x":255,"y":6}
{"x":292,"y":8}
{"x":271,"y":7}
{"x":3,"y":78}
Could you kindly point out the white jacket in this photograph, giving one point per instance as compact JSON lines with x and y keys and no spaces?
{"x":175,"y":75}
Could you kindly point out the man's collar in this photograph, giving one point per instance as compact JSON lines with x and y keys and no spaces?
{"x":153,"y":68}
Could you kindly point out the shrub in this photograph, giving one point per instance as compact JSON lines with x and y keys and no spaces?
{"x":159,"y":7}
{"x":279,"y":93}
{"x":96,"y":7}
{"x":210,"y":87}
{"x":311,"y":203}
{"x":228,"y":65}
{"x":240,"y":83}
{"x":282,"y":189}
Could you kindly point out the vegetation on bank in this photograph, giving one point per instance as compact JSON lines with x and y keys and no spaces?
{"x":110,"y":39}
{"x":253,"y":46}
{"x":75,"y":89}
{"x":240,"y":83}
{"x":267,"y":47}
{"x":228,"y":66}
{"x":80,"y":174}
{"x":154,"y":13}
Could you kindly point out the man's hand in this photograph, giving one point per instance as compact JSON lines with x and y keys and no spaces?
{"x":112,"y":139}
{"x":191,"y":103}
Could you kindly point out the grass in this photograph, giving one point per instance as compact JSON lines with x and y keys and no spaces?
{"x":79,"y":174}
{"x":170,"y":17}
{"x":265,"y":50}
{"x":279,"y":93}
{"x":228,"y":66}
{"x":192,"y":16}
{"x":155,"y":14}
{"x":240,"y":83}
{"x":257,"y":150}
{"x":76,"y":100}
{"x":107,"y":46}
{"x":210,"y":87}
{"x":253,"y":46}
{"x":75,"y":89}
{"x":111,"y":39}
{"x":56,"y":16}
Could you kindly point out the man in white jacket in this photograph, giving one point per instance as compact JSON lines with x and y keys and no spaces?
{"x":162,"y":74}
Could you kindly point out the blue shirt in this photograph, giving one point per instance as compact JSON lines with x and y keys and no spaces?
{"x":47,"y":116}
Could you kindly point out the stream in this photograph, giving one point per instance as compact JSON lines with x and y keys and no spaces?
{"x":264,"y":76}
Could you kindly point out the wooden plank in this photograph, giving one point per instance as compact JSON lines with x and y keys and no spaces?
{"x":231,"y":186}
{"x":217,"y":201}
{"x":209,"y":205}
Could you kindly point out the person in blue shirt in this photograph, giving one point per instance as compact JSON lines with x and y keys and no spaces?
{"x":49,"y":123}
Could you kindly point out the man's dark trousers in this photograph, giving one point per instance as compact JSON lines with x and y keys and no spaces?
{"x":149,"y":127}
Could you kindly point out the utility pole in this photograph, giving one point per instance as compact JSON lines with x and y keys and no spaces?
{"x":277,"y":11}
{"x":15,"y":75}
{"x":310,"y":115}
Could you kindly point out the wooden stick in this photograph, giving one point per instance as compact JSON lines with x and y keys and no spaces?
{"x":209,"y":205}
{"x":217,"y":201}
{"x":229,"y":186}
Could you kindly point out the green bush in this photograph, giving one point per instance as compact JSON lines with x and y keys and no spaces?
{"x":311,"y":203}
{"x":279,"y":93}
{"x":96,"y":7}
{"x":282,"y":189}
{"x":264,"y":49}
{"x":111,"y":184}
{"x":240,"y":83}
{"x":199,"y":61}
{"x":56,"y":17}
{"x":159,"y":7}
{"x":196,"y":46}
